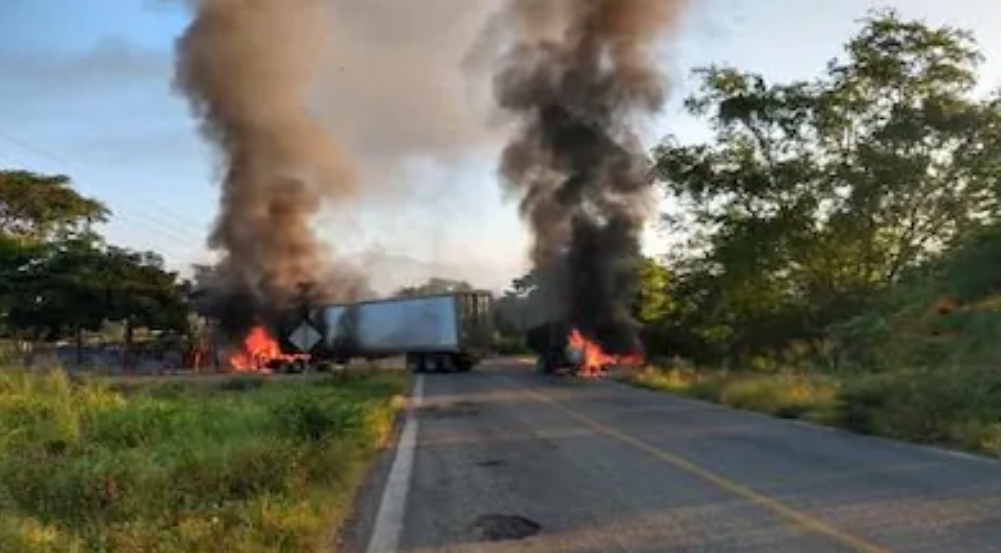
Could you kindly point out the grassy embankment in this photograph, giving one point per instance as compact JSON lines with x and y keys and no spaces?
{"x":245,"y":464}
{"x":919,"y":406}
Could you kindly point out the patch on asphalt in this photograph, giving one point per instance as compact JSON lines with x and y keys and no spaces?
{"x":450,"y":410}
{"x":497,"y":527}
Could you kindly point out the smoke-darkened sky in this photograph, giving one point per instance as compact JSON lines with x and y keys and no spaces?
{"x":86,"y":92}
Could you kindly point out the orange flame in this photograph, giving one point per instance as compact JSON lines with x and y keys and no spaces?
{"x":257,"y":350}
{"x":594,"y":360}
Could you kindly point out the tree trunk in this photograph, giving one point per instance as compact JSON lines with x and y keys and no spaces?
{"x":80,"y":347}
{"x":127,"y":363}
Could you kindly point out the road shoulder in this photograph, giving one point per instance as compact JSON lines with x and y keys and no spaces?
{"x":357,"y":529}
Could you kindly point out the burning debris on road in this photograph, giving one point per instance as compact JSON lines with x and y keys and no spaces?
{"x":574,"y":74}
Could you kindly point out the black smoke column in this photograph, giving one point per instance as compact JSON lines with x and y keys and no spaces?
{"x":575,"y":74}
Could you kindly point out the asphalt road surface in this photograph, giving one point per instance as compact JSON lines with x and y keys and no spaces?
{"x":502,"y":459}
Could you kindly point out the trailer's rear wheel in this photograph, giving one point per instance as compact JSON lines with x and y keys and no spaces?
{"x":439,"y":362}
{"x":462,"y":362}
{"x":416,"y":362}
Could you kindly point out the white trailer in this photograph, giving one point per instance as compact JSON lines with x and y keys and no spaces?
{"x":443,"y":332}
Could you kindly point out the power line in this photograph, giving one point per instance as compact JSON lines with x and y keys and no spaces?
{"x":178,"y":235}
{"x":176,"y":228}
{"x":123,"y":193}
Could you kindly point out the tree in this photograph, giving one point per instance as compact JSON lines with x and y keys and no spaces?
{"x":51,"y":292}
{"x":140,"y":292}
{"x":58,"y":278}
{"x":37,"y":211}
{"x":39,"y":208}
{"x":654,"y":302}
{"x":49,"y":253}
{"x":57,"y":290}
{"x":815,"y":195}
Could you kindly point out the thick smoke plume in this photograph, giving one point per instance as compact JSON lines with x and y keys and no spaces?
{"x":248,"y":68}
{"x":575,"y":74}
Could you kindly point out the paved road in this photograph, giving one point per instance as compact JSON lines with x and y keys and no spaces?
{"x":600,"y":467}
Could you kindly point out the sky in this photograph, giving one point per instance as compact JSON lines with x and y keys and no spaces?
{"x":86,"y":90}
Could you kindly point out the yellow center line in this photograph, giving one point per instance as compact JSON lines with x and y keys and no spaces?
{"x":801,"y":519}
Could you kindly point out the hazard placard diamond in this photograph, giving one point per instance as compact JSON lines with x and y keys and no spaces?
{"x":305,"y":337}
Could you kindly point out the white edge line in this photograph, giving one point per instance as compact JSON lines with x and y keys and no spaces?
{"x":390,"y":515}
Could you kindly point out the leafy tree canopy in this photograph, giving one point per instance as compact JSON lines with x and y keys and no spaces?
{"x":52,"y":290}
{"x":890,"y":144}
{"x":56,"y":275}
{"x":39,"y":208}
{"x":815,"y":194}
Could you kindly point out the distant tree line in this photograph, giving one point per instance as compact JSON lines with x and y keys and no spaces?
{"x":434,"y":285}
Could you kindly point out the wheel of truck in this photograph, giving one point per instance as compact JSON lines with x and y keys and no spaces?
{"x":441,"y":363}
{"x":547,"y":364}
{"x":541,"y":365}
{"x":416,"y":362}
{"x":462,"y":363}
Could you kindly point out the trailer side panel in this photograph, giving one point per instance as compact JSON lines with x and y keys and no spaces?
{"x":394,"y":326}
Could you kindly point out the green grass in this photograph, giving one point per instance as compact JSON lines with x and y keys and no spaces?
{"x":959,"y":409}
{"x":243,"y":464}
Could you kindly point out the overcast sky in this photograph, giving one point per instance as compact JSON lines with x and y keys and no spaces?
{"x":85,"y":91}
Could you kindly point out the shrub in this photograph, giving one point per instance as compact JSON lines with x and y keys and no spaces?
{"x":952,"y":406}
{"x":784,"y":395}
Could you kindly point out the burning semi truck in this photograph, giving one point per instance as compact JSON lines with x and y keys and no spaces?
{"x":448,"y":332}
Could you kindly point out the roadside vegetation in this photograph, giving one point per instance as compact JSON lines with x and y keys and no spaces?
{"x":910,"y":405}
{"x":240,"y":464}
{"x":837,"y":251}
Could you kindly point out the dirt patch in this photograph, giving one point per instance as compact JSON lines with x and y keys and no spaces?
{"x":497,"y":527}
